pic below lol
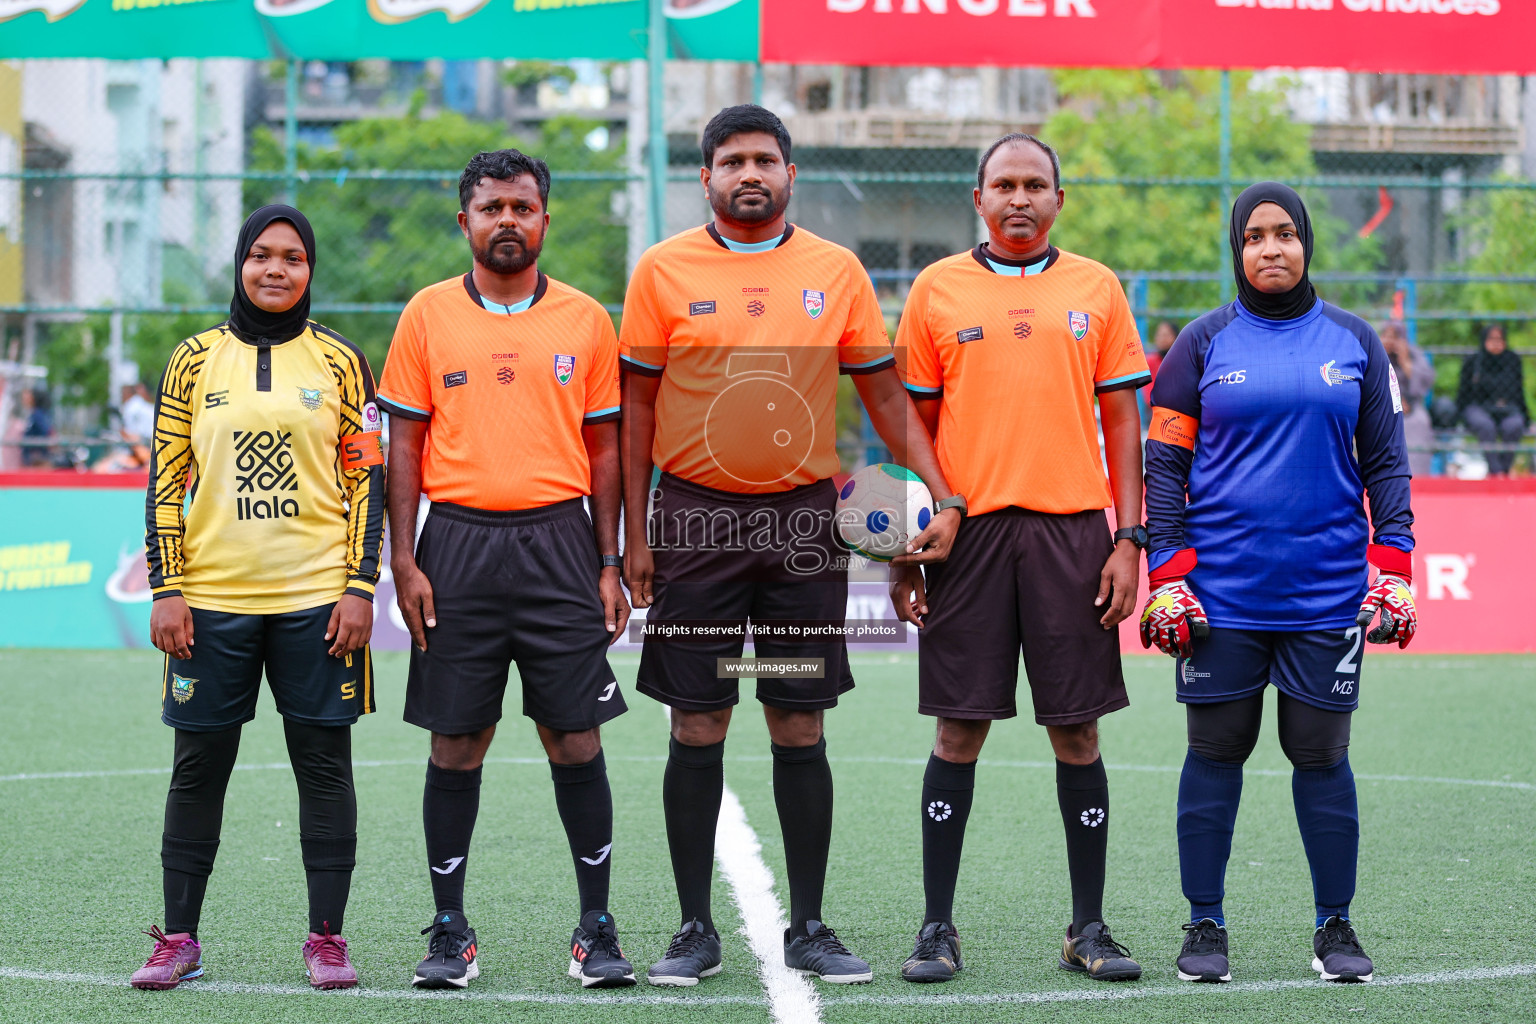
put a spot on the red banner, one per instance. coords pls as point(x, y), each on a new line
point(1418, 36)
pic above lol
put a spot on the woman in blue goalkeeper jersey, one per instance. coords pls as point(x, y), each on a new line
point(264, 521)
point(1273, 417)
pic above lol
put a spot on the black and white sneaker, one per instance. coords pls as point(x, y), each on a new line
point(821, 953)
point(937, 956)
point(693, 954)
point(1204, 956)
point(596, 958)
point(452, 957)
point(1337, 955)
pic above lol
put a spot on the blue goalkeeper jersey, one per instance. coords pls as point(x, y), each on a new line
point(1266, 436)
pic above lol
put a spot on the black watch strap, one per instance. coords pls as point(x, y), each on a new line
point(1135, 534)
point(954, 501)
point(613, 562)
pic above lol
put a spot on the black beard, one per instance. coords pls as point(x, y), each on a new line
point(525, 257)
point(730, 206)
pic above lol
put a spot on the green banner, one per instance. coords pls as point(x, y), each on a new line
point(72, 570)
point(359, 29)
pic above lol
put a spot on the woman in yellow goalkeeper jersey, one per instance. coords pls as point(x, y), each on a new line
point(265, 519)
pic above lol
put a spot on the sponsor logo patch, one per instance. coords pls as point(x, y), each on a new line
point(1397, 394)
point(214, 399)
point(371, 419)
point(968, 334)
point(455, 379)
point(1078, 324)
point(1021, 330)
point(756, 308)
point(565, 367)
point(1332, 376)
point(505, 375)
point(815, 302)
point(701, 308)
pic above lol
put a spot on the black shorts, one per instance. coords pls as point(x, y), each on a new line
point(1014, 580)
point(216, 688)
point(1320, 667)
point(508, 587)
point(731, 558)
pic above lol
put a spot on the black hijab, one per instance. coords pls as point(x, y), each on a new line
point(1284, 305)
point(251, 323)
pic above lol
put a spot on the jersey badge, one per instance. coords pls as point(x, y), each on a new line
point(371, 419)
point(1332, 376)
point(311, 398)
point(1021, 329)
point(181, 688)
point(505, 375)
point(967, 335)
point(1078, 322)
point(1397, 392)
point(815, 302)
point(701, 308)
point(565, 367)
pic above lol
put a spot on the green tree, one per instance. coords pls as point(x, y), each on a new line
point(1133, 124)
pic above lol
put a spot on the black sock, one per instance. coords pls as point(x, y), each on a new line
point(194, 814)
point(448, 810)
point(1083, 792)
point(802, 791)
point(690, 797)
point(947, 791)
point(321, 756)
point(586, 810)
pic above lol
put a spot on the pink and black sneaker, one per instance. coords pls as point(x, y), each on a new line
point(326, 961)
point(177, 958)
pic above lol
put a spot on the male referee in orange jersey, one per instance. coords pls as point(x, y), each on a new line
point(1007, 347)
point(504, 395)
point(733, 337)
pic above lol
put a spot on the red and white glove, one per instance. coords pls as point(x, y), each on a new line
point(1173, 616)
point(1390, 595)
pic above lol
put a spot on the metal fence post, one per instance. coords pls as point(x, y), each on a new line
point(656, 60)
point(1225, 157)
point(291, 133)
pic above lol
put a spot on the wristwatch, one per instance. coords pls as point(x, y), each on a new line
point(954, 501)
point(1135, 534)
point(613, 562)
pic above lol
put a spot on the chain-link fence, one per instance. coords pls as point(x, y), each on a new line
point(123, 184)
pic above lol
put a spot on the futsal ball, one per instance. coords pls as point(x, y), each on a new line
point(880, 509)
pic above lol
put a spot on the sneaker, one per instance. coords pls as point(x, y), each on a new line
point(326, 961)
point(693, 954)
point(1337, 953)
point(1097, 955)
point(595, 954)
point(177, 958)
point(451, 959)
point(1204, 956)
point(937, 956)
point(821, 953)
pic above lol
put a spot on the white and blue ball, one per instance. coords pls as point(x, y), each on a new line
point(880, 509)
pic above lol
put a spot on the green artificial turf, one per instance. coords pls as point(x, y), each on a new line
point(1446, 882)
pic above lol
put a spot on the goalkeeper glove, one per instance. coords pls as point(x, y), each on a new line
point(1390, 595)
point(1173, 615)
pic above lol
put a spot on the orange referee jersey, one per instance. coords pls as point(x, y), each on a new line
point(748, 346)
point(504, 395)
point(1017, 359)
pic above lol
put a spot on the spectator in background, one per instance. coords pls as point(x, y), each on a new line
point(138, 413)
point(1163, 337)
point(1415, 378)
point(1491, 397)
point(35, 406)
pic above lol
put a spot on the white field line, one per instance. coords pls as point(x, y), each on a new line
point(1130, 990)
point(237, 988)
point(912, 761)
point(1099, 993)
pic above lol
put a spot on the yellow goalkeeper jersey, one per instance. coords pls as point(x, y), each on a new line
point(278, 447)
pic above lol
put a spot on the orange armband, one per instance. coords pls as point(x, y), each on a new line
point(365, 449)
point(1172, 427)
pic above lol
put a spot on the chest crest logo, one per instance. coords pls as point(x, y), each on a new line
point(565, 368)
point(1332, 376)
point(1078, 324)
point(311, 398)
point(815, 302)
